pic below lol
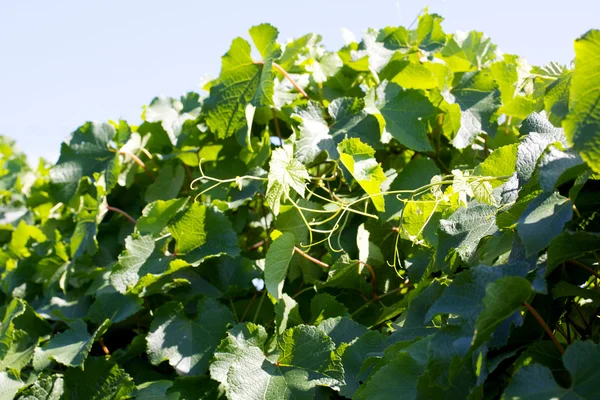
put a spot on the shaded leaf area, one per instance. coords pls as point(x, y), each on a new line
point(413, 215)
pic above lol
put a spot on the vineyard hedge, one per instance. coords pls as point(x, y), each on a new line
point(414, 216)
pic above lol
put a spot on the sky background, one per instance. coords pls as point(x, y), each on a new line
point(66, 62)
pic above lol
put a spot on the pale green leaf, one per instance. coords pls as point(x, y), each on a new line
point(277, 262)
point(187, 343)
point(306, 359)
point(359, 159)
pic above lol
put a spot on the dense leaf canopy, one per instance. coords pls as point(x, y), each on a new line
point(414, 216)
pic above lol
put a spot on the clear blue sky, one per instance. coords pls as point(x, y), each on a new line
point(66, 62)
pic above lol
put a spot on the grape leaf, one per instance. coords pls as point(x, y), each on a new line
point(359, 159)
point(479, 99)
point(167, 184)
point(9, 385)
point(87, 152)
point(242, 82)
point(463, 230)
point(196, 338)
point(535, 381)
point(44, 388)
point(100, 379)
point(277, 262)
point(203, 232)
point(172, 113)
point(583, 121)
point(405, 113)
point(546, 213)
point(285, 172)
point(306, 359)
point(70, 347)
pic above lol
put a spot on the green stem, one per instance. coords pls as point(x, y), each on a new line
point(262, 298)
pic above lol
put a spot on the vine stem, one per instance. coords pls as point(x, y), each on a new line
point(138, 162)
point(248, 307)
point(311, 258)
point(359, 310)
point(103, 346)
point(256, 245)
point(306, 289)
point(123, 213)
point(287, 76)
point(545, 326)
point(260, 303)
point(276, 123)
point(583, 266)
point(373, 280)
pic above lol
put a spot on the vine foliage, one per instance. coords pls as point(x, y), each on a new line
point(412, 216)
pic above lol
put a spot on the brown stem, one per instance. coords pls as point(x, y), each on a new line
point(256, 245)
point(545, 326)
point(583, 266)
point(287, 76)
point(123, 213)
point(138, 162)
point(104, 348)
point(373, 280)
point(276, 122)
point(310, 258)
point(149, 155)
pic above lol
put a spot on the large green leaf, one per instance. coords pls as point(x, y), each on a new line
point(100, 379)
point(399, 376)
point(140, 258)
point(359, 159)
point(9, 385)
point(172, 113)
point(242, 82)
point(502, 298)
point(479, 99)
point(306, 359)
point(157, 215)
point(277, 262)
point(70, 347)
point(569, 245)
point(536, 381)
point(405, 113)
point(187, 343)
point(167, 184)
point(88, 151)
point(44, 388)
point(464, 229)
point(556, 167)
point(202, 232)
point(582, 125)
point(547, 213)
point(317, 135)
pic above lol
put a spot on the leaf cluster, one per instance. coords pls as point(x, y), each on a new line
point(412, 216)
